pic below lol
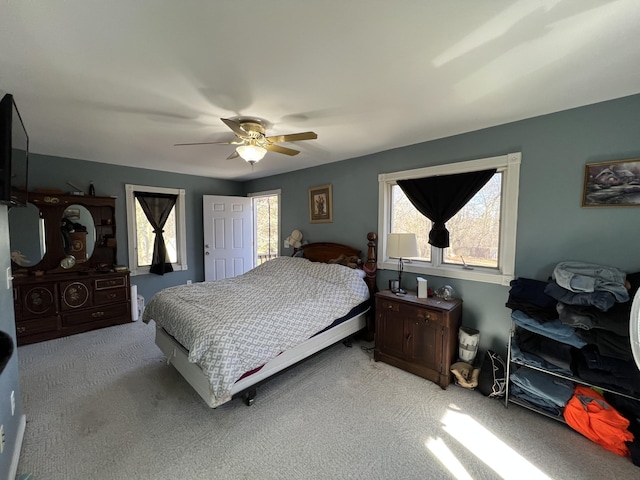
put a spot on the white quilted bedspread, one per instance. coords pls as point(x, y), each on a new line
point(234, 325)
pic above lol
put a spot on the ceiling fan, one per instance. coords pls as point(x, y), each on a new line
point(252, 142)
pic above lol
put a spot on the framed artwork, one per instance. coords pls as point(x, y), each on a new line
point(320, 204)
point(612, 184)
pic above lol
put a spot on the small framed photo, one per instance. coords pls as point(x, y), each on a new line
point(612, 184)
point(320, 204)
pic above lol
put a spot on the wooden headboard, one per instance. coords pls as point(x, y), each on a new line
point(325, 251)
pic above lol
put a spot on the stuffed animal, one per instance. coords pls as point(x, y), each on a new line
point(351, 261)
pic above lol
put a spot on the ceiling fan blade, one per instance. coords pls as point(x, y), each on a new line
point(233, 155)
point(207, 143)
point(236, 127)
point(279, 149)
point(293, 137)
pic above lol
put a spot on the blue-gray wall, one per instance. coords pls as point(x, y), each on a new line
point(552, 226)
point(9, 380)
point(110, 180)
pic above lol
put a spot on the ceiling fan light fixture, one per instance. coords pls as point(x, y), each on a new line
point(251, 153)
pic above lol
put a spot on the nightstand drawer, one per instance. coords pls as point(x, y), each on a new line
point(387, 305)
point(421, 314)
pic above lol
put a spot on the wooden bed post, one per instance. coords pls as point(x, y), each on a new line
point(371, 265)
point(370, 268)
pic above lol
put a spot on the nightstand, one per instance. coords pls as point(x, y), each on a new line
point(419, 335)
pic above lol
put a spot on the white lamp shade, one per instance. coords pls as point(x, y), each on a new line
point(251, 153)
point(402, 245)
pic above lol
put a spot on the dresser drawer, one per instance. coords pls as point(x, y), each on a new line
point(95, 315)
point(110, 295)
point(106, 283)
point(38, 325)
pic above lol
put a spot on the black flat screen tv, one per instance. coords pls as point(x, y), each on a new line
point(14, 154)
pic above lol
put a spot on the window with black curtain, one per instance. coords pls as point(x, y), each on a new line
point(157, 208)
point(440, 197)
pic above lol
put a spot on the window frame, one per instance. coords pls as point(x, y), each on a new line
point(267, 193)
point(509, 166)
point(132, 237)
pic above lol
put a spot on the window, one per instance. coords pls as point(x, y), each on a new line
point(482, 233)
point(141, 236)
point(266, 225)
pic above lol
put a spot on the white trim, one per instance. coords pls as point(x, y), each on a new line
point(132, 240)
point(509, 166)
point(17, 448)
point(267, 193)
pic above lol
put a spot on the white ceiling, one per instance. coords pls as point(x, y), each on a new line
point(121, 81)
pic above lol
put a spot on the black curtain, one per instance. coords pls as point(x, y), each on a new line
point(157, 207)
point(439, 198)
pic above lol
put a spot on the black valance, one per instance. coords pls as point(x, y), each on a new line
point(439, 198)
point(157, 208)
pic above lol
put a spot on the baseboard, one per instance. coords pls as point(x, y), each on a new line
point(13, 468)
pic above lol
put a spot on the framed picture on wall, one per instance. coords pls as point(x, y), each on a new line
point(612, 184)
point(320, 204)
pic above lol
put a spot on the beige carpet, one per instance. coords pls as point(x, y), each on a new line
point(105, 405)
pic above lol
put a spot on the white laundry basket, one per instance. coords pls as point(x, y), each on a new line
point(468, 339)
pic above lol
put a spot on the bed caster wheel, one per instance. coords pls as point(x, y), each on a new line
point(250, 397)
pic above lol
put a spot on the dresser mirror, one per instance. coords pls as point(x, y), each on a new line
point(78, 232)
point(55, 227)
point(28, 238)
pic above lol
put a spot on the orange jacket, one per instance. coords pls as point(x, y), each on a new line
point(590, 414)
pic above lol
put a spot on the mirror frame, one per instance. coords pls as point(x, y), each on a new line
point(41, 234)
point(52, 206)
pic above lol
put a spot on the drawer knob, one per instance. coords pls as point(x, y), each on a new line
point(97, 314)
point(21, 329)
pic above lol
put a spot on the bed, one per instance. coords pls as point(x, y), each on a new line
point(282, 315)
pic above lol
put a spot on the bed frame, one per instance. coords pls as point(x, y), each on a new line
point(245, 388)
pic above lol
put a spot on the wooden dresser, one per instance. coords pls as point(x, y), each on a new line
point(419, 335)
point(63, 251)
point(55, 306)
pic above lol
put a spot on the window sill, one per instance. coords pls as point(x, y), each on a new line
point(451, 271)
point(145, 270)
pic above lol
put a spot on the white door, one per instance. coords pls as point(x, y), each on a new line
point(228, 236)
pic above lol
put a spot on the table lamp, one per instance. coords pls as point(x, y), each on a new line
point(401, 245)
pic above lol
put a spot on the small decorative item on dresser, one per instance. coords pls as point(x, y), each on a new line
point(110, 240)
point(422, 287)
point(92, 189)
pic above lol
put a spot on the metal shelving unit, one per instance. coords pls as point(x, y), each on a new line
point(571, 378)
